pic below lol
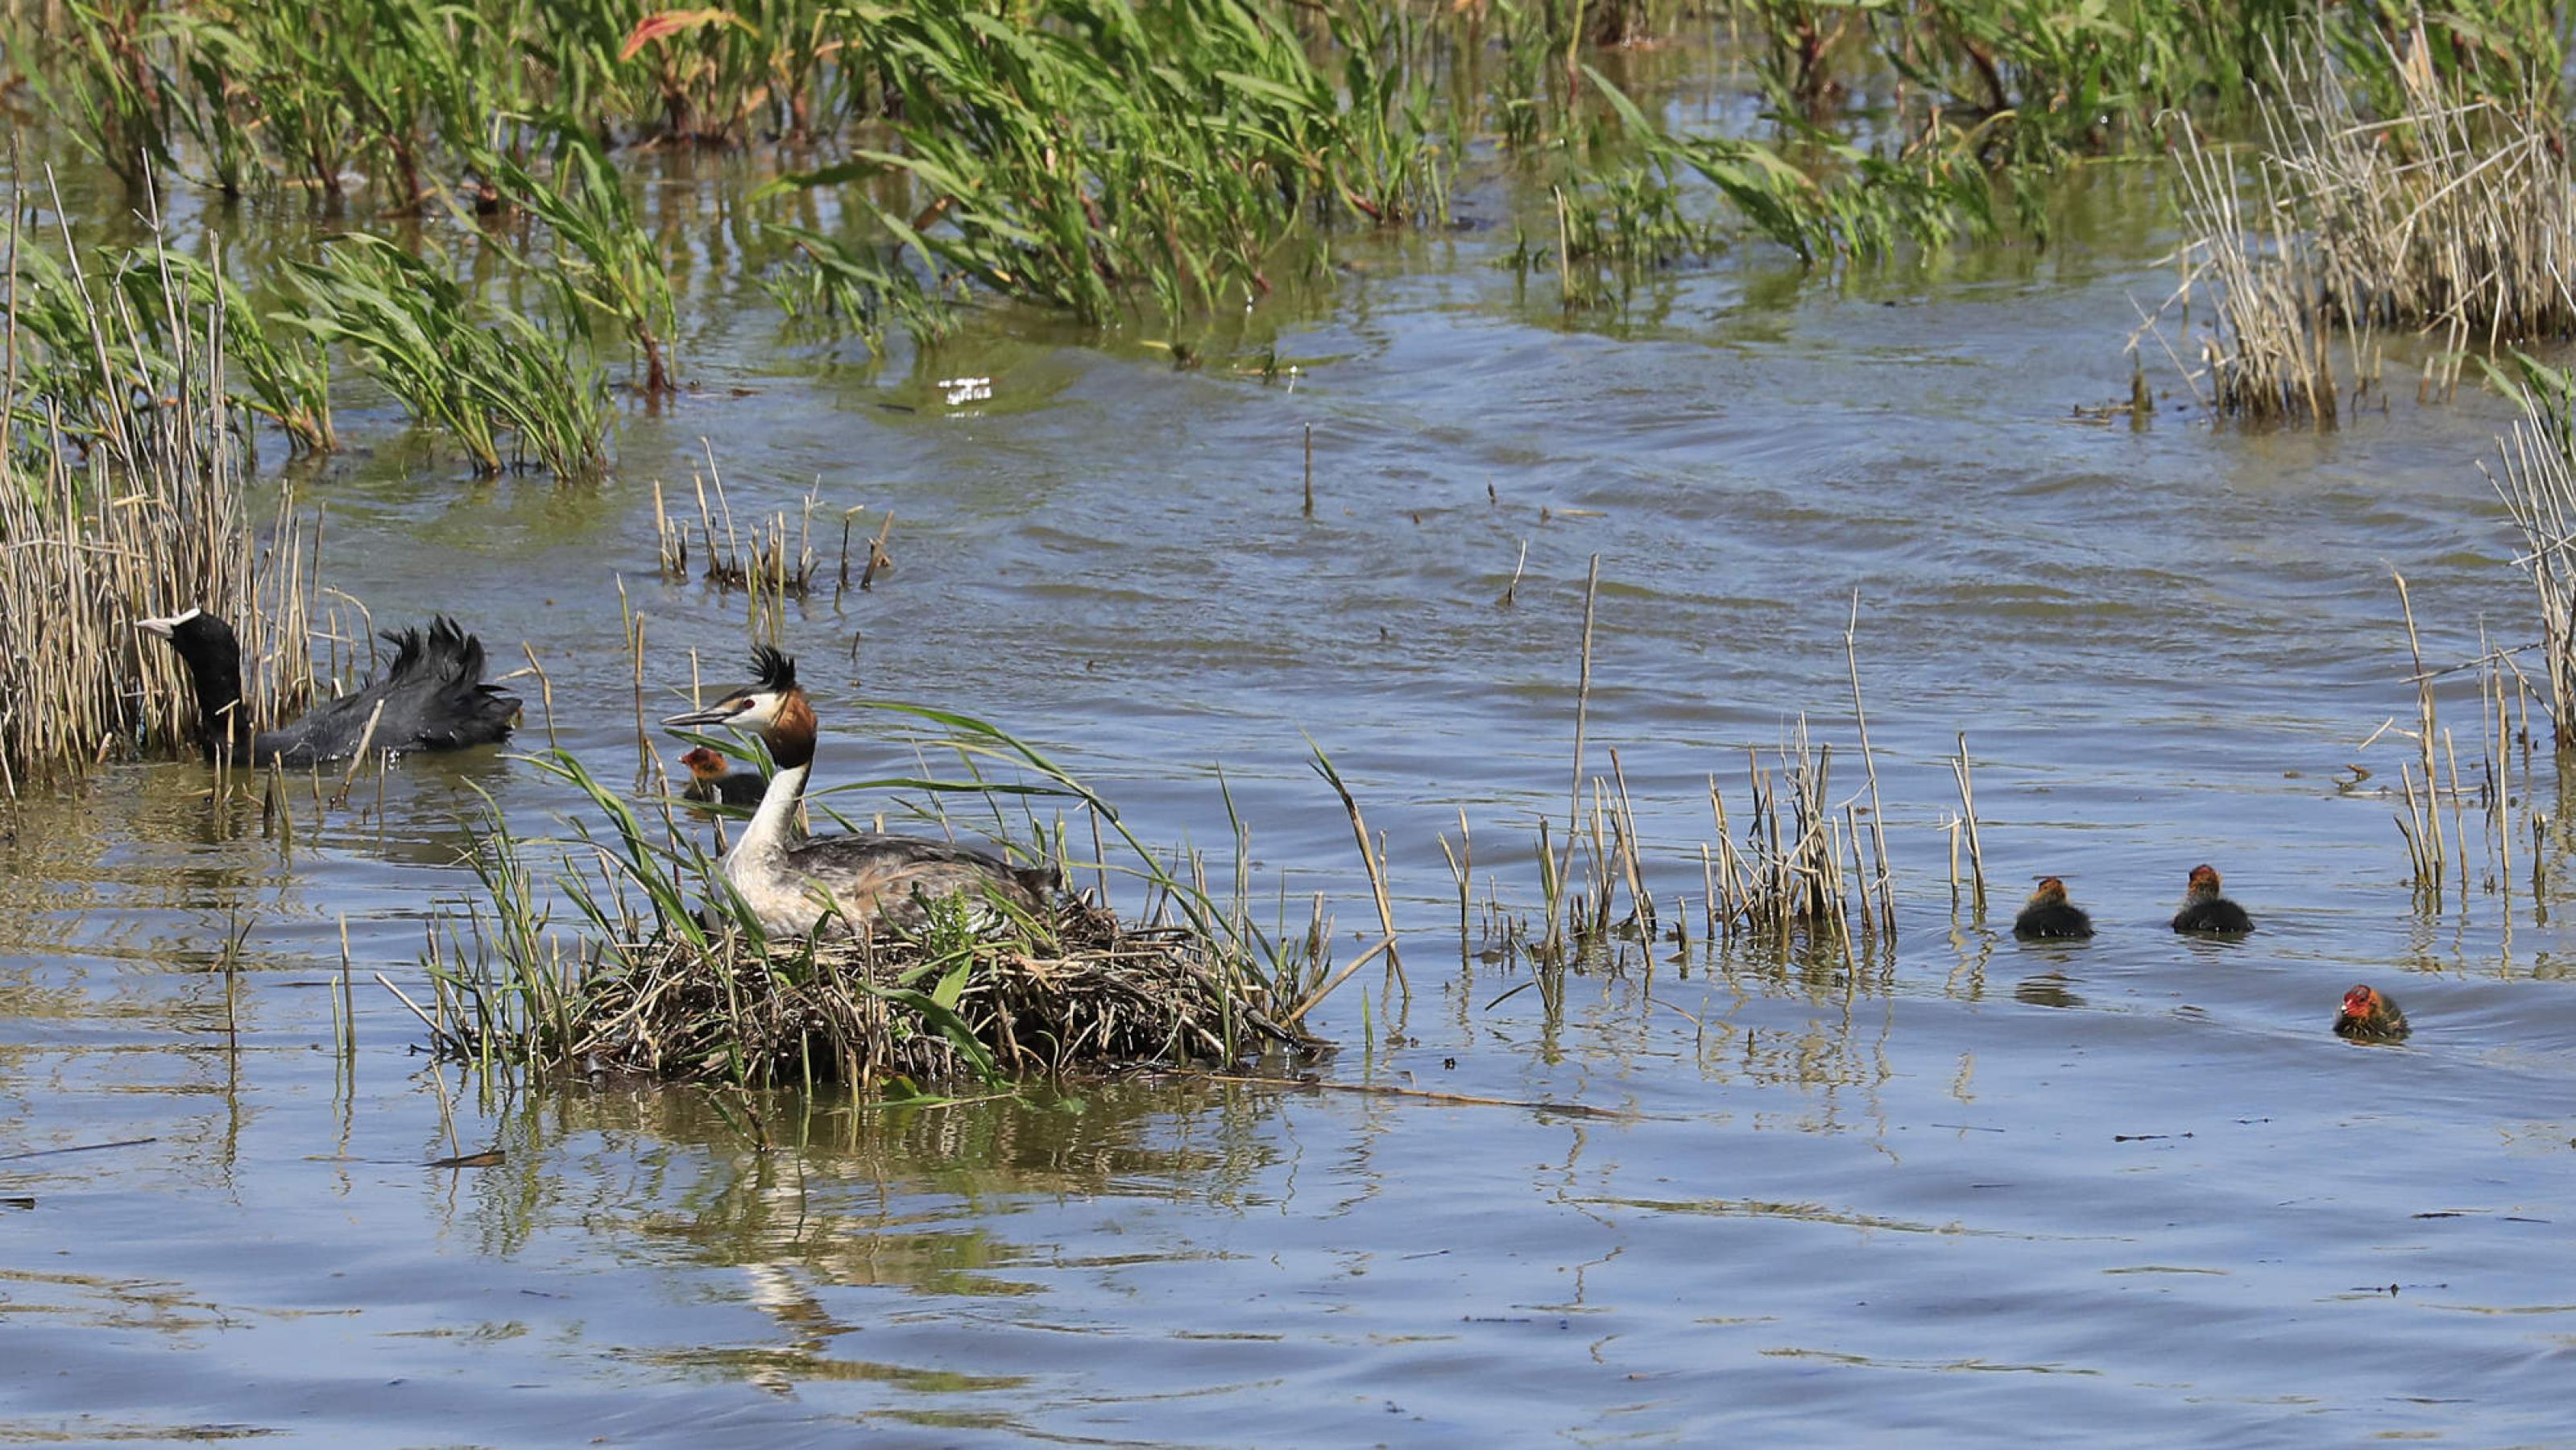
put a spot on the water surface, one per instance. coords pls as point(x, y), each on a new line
point(2130, 1189)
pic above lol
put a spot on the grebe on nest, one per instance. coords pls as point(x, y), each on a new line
point(433, 697)
point(790, 879)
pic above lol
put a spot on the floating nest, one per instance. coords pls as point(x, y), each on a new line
point(1079, 991)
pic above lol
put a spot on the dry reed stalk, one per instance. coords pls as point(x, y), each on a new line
point(358, 757)
point(1869, 766)
point(1582, 708)
point(724, 505)
point(1708, 887)
point(2426, 858)
point(1860, 868)
point(1959, 768)
point(545, 691)
point(631, 623)
point(670, 540)
point(1316, 998)
point(348, 996)
point(2429, 824)
point(1731, 887)
point(1625, 825)
point(2459, 828)
point(879, 560)
point(1310, 470)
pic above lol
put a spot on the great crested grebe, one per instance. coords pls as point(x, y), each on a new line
point(2204, 910)
point(432, 696)
point(790, 879)
point(2367, 1015)
point(2049, 915)
point(709, 780)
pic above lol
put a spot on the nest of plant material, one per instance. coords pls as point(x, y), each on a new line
point(1074, 991)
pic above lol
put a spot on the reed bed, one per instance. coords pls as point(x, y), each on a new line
point(1797, 864)
point(1106, 158)
point(148, 515)
point(772, 559)
point(2428, 207)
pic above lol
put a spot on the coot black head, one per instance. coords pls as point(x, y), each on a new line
point(195, 634)
point(212, 653)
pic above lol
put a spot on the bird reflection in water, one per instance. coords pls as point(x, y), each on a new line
point(2047, 989)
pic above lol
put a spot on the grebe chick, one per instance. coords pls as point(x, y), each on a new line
point(2367, 1015)
point(2048, 915)
point(2204, 910)
point(709, 780)
point(433, 697)
point(789, 879)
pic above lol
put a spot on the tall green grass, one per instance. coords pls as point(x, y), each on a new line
point(1114, 158)
point(99, 332)
point(827, 284)
point(603, 262)
point(1094, 156)
point(484, 377)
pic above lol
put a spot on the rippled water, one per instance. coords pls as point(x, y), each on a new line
point(2130, 1189)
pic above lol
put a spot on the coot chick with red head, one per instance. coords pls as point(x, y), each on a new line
point(431, 698)
point(2367, 1015)
point(2205, 910)
point(709, 780)
point(2049, 916)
